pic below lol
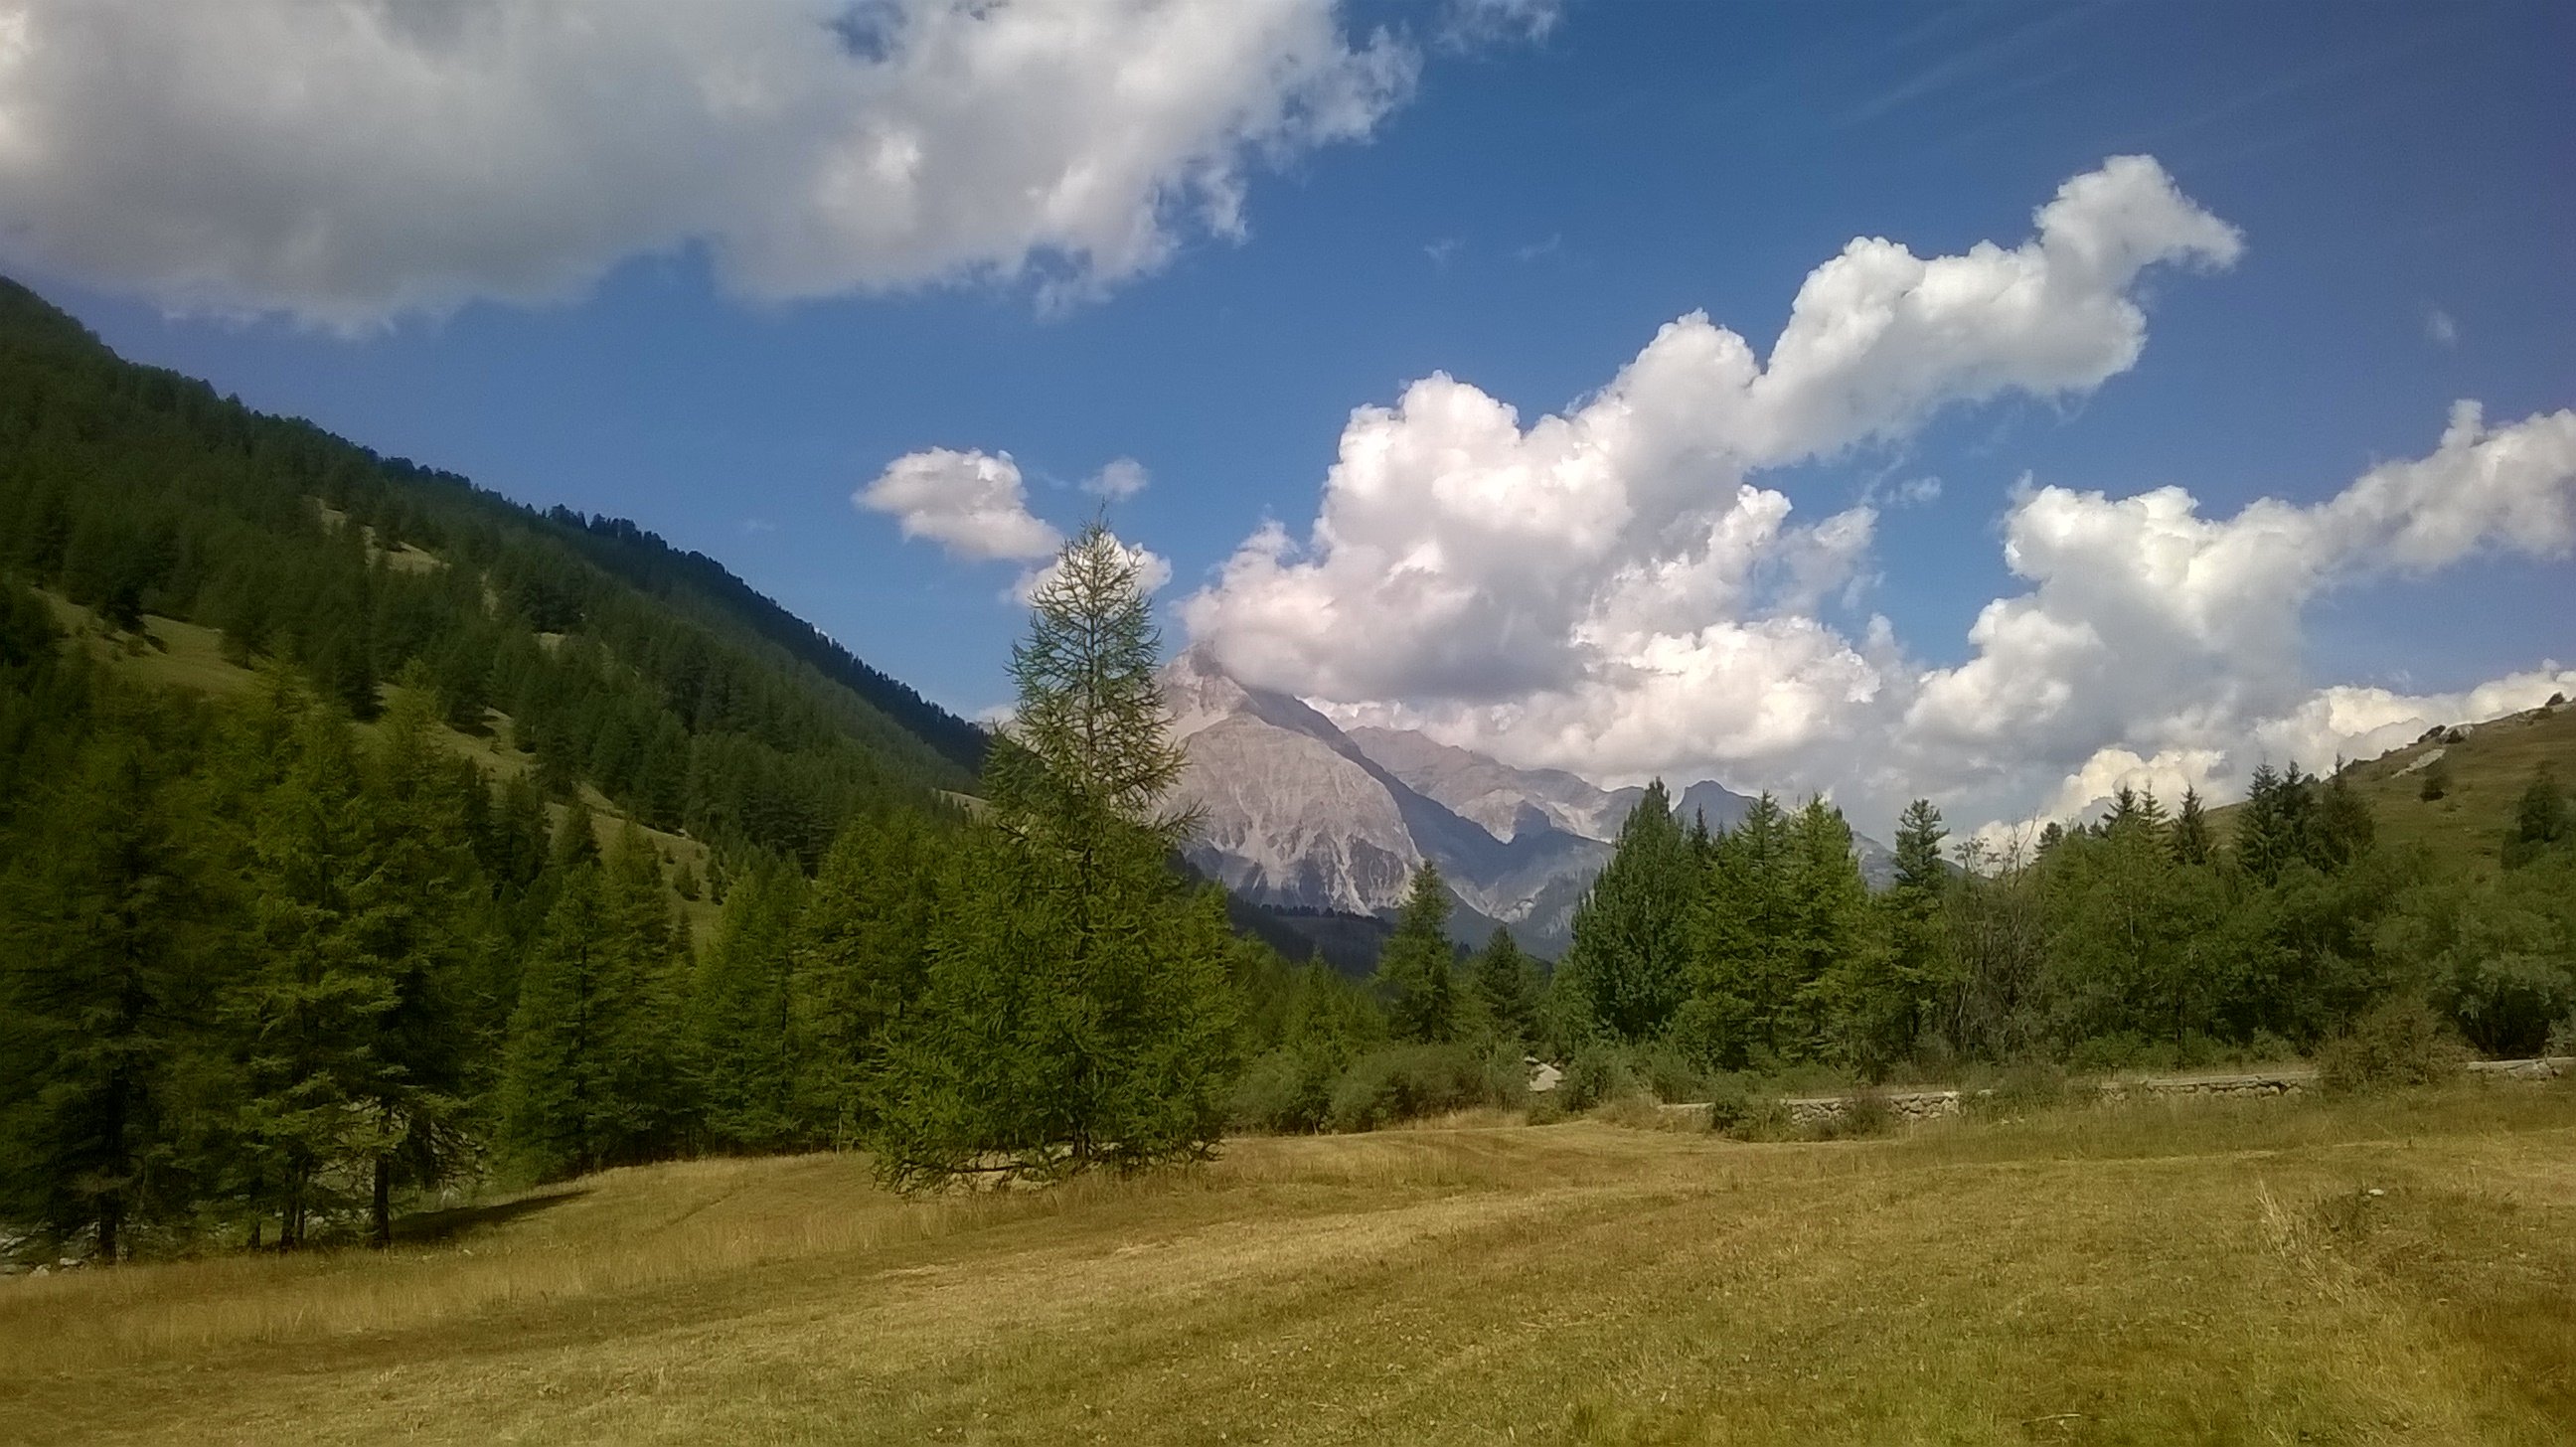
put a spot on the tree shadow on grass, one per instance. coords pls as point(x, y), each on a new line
point(432, 1226)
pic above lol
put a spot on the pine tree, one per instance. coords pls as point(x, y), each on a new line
point(1844, 986)
point(2543, 819)
point(1508, 983)
point(425, 884)
point(315, 1008)
point(861, 959)
point(1629, 957)
point(2339, 828)
point(1745, 970)
point(1917, 938)
point(1416, 970)
point(560, 1109)
point(745, 1016)
point(2191, 841)
point(1077, 1010)
point(116, 937)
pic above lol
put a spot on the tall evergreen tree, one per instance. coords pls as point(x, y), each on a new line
point(2191, 840)
point(313, 1012)
point(1415, 971)
point(1917, 943)
point(861, 959)
point(116, 935)
point(2543, 819)
point(426, 883)
point(1507, 982)
point(1630, 953)
point(561, 1109)
point(1078, 1011)
point(746, 1055)
point(1746, 967)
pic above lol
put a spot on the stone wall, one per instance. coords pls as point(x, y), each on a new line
point(2287, 1080)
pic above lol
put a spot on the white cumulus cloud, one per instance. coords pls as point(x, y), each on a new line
point(1120, 479)
point(1611, 588)
point(1615, 553)
point(972, 503)
point(346, 163)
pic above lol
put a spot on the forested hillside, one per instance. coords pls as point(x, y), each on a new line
point(653, 674)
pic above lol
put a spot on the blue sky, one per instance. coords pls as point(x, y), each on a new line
point(1522, 215)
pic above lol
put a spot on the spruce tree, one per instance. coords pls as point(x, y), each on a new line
point(1508, 983)
point(1416, 971)
point(861, 959)
point(560, 1109)
point(1745, 969)
point(314, 1010)
point(2191, 841)
point(116, 930)
point(1916, 934)
point(425, 886)
point(744, 1009)
point(2542, 820)
point(1843, 981)
point(1630, 954)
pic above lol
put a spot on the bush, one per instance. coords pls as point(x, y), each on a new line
point(1746, 1107)
point(1671, 1075)
point(2399, 1043)
point(1597, 1072)
point(1286, 1091)
point(2562, 1037)
point(1404, 1082)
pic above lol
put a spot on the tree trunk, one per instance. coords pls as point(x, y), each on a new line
point(380, 1232)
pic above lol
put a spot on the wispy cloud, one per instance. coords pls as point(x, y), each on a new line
point(2439, 328)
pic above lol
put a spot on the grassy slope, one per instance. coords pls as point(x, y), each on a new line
point(2489, 770)
point(2188, 1272)
point(184, 655)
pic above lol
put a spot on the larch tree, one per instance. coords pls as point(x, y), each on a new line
point(1077, 1010)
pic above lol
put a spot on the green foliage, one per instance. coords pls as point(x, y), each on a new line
point(1077, 1009)
point(113, 950)
point(745, 1042)
point(1415, 972)
point(2544, 820)
point(1508, 985)
point(1407, 1082)
point(1629, 960)
point(2401, 1042)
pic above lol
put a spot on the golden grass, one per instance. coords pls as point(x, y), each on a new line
point(2164, 1272)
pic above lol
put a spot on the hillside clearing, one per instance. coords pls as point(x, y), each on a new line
point(2387, 1271)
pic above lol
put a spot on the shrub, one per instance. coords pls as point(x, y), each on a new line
point(2401, 1042)
point(1670, 1074)
point(1286, 1091)
point(1597, 1072)
point(1746, 1107)
point(1404, 1082)
point(2562, 1037)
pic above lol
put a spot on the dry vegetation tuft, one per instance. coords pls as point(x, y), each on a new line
point(2400, 1269)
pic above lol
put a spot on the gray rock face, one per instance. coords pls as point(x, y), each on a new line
point(1296, 813)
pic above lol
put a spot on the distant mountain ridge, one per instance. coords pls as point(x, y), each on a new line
point(1299, 814)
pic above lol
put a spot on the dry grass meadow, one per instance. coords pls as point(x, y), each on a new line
point(2401, 1270)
